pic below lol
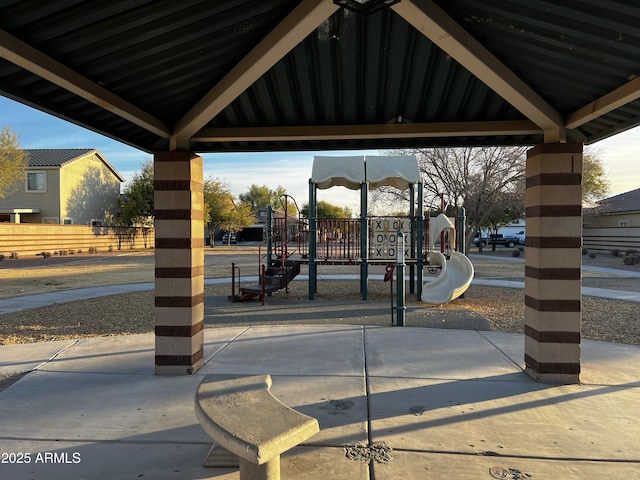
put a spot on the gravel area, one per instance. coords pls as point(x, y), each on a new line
point(337, 302)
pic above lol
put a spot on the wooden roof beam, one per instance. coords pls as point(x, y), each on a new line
point(433, 22)
point(33, 60)
point(627, 93)
point(360, 132)
point(304, 19)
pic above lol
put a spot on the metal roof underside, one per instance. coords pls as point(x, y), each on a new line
point(246, 75)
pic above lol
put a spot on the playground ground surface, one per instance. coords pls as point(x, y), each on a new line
point(484, 306)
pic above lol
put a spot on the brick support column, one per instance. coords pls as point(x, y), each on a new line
point(179, 262)
point(553, 262)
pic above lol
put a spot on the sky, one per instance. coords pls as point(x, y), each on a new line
point(290, 170)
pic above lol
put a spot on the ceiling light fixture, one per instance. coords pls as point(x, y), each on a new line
point(365, 7)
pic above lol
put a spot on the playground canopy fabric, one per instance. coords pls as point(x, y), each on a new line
point(351, 171)
point(330, 172)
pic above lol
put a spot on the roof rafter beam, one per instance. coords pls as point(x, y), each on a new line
point(362, 132)
point(433, 22)
point(627, 93)
point(33, 60)
point(303, 20)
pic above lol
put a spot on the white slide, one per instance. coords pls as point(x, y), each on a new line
point(453, 280)
point(455, 275)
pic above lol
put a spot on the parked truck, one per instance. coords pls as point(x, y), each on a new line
point(496, 239)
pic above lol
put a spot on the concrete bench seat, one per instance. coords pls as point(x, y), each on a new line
point(251, 425)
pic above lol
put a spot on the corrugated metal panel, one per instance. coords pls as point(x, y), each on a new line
point(571, 52)
point(163, 55)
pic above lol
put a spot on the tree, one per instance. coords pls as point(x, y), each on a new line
point(328, 210)
point(262, 196)
point(219, 206)
point(595, 185)
point(13, 161)
point(137, 208)
point(476, 178)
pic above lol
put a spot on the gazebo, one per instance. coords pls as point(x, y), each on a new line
point(180, 78)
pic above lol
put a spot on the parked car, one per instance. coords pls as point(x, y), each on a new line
point(229, 237)
point(521, 236)
point(497, 239)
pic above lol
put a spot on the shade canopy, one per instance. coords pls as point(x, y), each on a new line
point(255, 75)
point(377, 171)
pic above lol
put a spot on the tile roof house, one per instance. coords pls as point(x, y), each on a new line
point(621, 210)
point(64, 186)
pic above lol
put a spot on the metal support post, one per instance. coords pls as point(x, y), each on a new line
point(420, 241)
point(269, 234)
point(412, 215)
point(400, 290)
point(313, 226)
point(462, 245)
point(364, 243)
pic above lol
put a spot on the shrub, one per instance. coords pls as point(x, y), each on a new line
point(615, 252)
point(515, 253)
point(592, 255)
point(14, 255)
point(1, 257)
point(630, 260)
point(585, 251)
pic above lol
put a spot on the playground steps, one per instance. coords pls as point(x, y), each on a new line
point(276, 277)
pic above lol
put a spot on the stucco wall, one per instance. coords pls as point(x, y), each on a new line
point(48, 201)
point(88, 189)
point(632, 219)
point(30, 239)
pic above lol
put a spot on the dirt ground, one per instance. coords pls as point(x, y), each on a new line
point(482, 308)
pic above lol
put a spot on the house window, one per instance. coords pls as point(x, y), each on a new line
point(36, 182)
point(623, 223)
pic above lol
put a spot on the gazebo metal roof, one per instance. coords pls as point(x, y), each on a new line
point(258, 75)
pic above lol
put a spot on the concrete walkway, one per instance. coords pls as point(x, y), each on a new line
point(441, 403)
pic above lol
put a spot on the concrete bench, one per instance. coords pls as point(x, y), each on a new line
point(251, 426)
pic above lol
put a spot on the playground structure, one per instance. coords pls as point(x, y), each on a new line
point(429, 243)
point(456, 273)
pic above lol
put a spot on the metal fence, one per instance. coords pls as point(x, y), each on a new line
point(338, 239)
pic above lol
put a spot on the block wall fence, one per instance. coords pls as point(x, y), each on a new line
point(31, 239)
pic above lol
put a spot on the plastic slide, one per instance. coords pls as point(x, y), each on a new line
point(455, 274)
point(454, 279)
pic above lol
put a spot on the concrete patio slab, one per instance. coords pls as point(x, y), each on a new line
point(506, 415)
point(339, 403)
point(472, 467)
point(20, 358)
point(432, 353)
point(101, 407)
point(292, 350)
point(62, 460)
point(610, 364)
point(450, 403)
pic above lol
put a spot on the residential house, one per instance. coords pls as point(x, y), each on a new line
point(64, 186)
point(618, 211)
